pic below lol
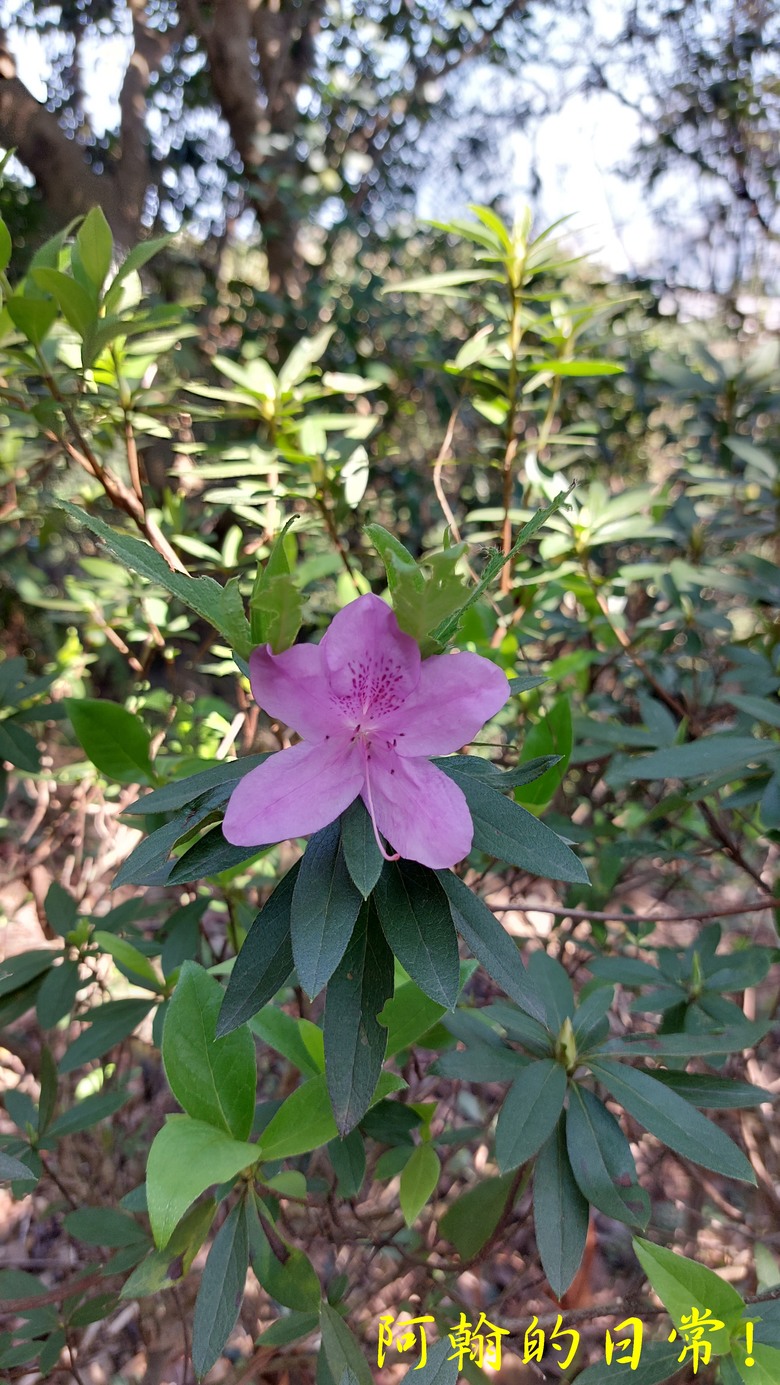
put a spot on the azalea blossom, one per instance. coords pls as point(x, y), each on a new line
point(370, 711)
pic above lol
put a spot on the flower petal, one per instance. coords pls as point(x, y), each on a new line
point(295, 792)
point(291, 688)
point(456, 695)
point(423, 814)
point(372, 666)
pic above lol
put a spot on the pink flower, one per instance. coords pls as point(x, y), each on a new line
point(370, 711)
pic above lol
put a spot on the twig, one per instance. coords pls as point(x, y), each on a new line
point(606, 916)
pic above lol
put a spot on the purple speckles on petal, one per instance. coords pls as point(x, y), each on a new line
point(377, 688)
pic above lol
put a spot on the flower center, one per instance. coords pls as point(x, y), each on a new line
point(375, 687)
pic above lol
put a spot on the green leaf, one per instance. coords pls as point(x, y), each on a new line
point(673, 1120)
point(215, 1080)
point(18, 747)
point(359, 844)
point(6, 246)
point(712, 755)
point(578, 368)
point(201, 594)
point(276, 612)
point(264, 962)
point(116, 741)
point(209, 856)
point(137, 258)
point(348, 1159)
point(303, 356)
point(415, 916)
point(443, 283)
point(291, 1328)
point(218, 783)
point(418, 1181)
point(19, 971)
point(61, 909)
point(530, 1113)
point(408, 1014)
point(88, 1112)
point(325, 905)
point(505, 830)
point(221, 1290)
point(73, 301)
point(601, 1160)
point(57, 995)
point(441, 1368)
point(187, 1157)
point(444, 632)
point(490, 944)
point(299, 1040)
point(712, 1093)
point(305, 1121)
point(683, 1285)
point(471, 1219)
point(355, 1040)
point(96, 246)
point(560, 1213)
point(555, 988)
point(765, 1364)
point(109, 1024)
point(34, 317)
point(129, 959)
point(149, 863)
point(733, 1040)
point(11, 1169)
point(340, 1349)
point(165, 1267)
point(104, 1226)
point(292, 1281)
point(658, 1363)
point(550, 736)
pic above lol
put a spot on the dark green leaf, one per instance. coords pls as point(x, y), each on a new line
point(340, 1349)
point(214, 1079)
point(439, 1369)
point(601, 1160)
point(415, 915)
point(11, 1169)
point(265, 960)
point(104, 1226)
point(355, 1041)
point(218, 783)
point(58, 993)
point(673, 1120)
point(505, 830)
point(555, 988)
point(658, 1363)
point(325, 905)
point(221, 1290)
point(109, 1024)
point(348, 1158)
point(88, 1112)
point(18, 747)
point(656, 1045)
point(359, 844)
point(61, 909)
point(490, 944)
point(530, 1112)
point(712, 1093)
point(560, 1213)
point(211, 855)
